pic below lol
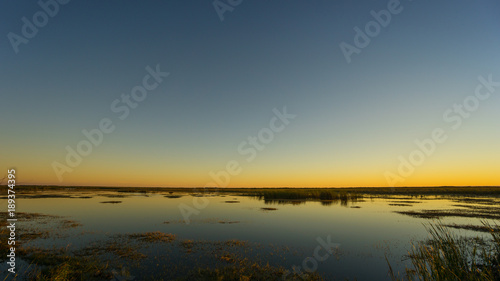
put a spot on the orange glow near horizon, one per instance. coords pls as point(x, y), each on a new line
point(453, 165)
point(190, 179)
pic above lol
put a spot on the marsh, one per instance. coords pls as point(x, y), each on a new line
point(265, 234)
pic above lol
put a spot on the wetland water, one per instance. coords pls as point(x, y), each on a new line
point(144, 236)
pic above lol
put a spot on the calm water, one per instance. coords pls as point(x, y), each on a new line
point(366, 231)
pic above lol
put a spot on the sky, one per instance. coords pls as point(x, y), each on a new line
point(250, 93)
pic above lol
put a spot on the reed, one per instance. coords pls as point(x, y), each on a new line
point(449, 257)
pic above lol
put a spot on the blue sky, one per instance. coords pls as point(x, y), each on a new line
point(227, 76)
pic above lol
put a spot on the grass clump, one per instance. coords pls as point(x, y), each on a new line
point(111, 202)
point(326, 196)
point(58, 264)
point(121, 249)
point(449, 257)
point(70, 224)
point(244, 270)
point(437, 214)
point(152, 237)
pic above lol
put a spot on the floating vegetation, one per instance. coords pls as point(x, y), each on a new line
point(70, 224)
point(481, 201)
point(110, 202)
point(187, 244)
point(152, 237)
point(231, 201)
point(114, 195)
point(401, 204)
point(118, 247)
point(404, 201)
point(285, 202)
point(173, 196)
point(235, 242)
point(435, 214)
point(59, 264)
point(481, 208)
point(479, 228)
point(45, 196)
point(268, 209)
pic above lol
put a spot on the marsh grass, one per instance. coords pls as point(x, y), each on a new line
point(400, 205)
point(480, 228)
point(58, 264)
point(49, 263)
point(41, 226)
point(404, 201)
point(120, 249)
point(449, 257)
point(457, 191)
point(70, 224)
point(173, 196)
point(111, 202)
point(232, 263)
point(327, 197)
point(244, 270)
point(465, 213)
point(152, 237)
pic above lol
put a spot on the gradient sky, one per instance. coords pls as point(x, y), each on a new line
point(353, 120)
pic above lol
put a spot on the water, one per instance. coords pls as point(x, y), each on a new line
point(366, 231)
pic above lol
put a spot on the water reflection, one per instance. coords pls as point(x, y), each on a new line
point(285, 219)
point(326, 198)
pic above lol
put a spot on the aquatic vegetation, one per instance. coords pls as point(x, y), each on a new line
point(327, 197)
point(404, 201)
point(161, 255)
point(268, 209)
point(119, 248)
point(110, 202)
point(59, 264)
point(235, 242)
point(152, 237)
point(400, 205)
point(70, 224)
point(173, 196)
point(243, 270)
point(448, 257)
point(187, 244)
point(480, 228)
point(435, 214)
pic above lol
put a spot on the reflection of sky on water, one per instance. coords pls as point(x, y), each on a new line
point(363, 233)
